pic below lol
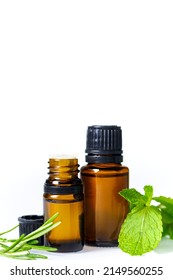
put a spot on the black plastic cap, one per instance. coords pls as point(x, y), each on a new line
point(104, 144)
point(77, 188)
point(29, 223)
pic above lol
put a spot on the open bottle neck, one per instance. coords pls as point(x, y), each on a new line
point(63, 177)
point(63, 169)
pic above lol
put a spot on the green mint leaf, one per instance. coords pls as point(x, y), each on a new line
point(167, 221)
point(166, 217)
point(167, 202)
point(168, 230)
point(165, 230)
point(166, 208)
point(148, 194)
point(133, 196)
point(136, 198)
point(141, 231)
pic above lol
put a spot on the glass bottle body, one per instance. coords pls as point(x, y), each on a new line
point(68, 236)
point(105, 210)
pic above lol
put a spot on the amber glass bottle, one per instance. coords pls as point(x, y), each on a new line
point(63, 193)
point(103, 177)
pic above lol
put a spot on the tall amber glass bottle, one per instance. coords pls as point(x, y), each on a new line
point(103, 178)
point(63, 193)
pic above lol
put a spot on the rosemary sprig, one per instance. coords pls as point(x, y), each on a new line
point(8, 230)
point(20, 248)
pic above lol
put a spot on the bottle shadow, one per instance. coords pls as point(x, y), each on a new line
point(165, 246)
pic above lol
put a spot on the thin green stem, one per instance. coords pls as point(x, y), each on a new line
point(14, 244)
point(37, 231)
point(19, 248)
point(8, 230)
point(51, 219)
point(44, 231)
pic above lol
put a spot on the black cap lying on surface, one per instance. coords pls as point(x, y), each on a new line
point(29, 223)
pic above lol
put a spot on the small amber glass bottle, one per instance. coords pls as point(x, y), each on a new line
point(63, 193)
point(103, 178)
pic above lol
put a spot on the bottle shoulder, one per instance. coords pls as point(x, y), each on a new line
point(63, 183)
point(104, 168)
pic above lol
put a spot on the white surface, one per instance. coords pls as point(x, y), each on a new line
point(100, 254)
point(65, 65)
point(98, 259)
point(89, 254)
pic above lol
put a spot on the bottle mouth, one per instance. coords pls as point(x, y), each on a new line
point(62, 157)
point(62, 162)
point(63, 168)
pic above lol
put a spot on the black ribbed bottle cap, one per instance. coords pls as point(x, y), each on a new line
point(104, 144)
point(29, 223)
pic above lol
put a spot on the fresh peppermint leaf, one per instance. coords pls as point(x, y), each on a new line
point(141, 231)
point(166, 208)
point(167, 202)
point(133, 196)
point(168, 230)
point(167, 221)
point(166, 217)
point(148, 194)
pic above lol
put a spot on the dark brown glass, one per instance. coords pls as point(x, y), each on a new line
point(105, 210)
point(68, 236)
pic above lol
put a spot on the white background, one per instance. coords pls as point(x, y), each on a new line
point(65, 65)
